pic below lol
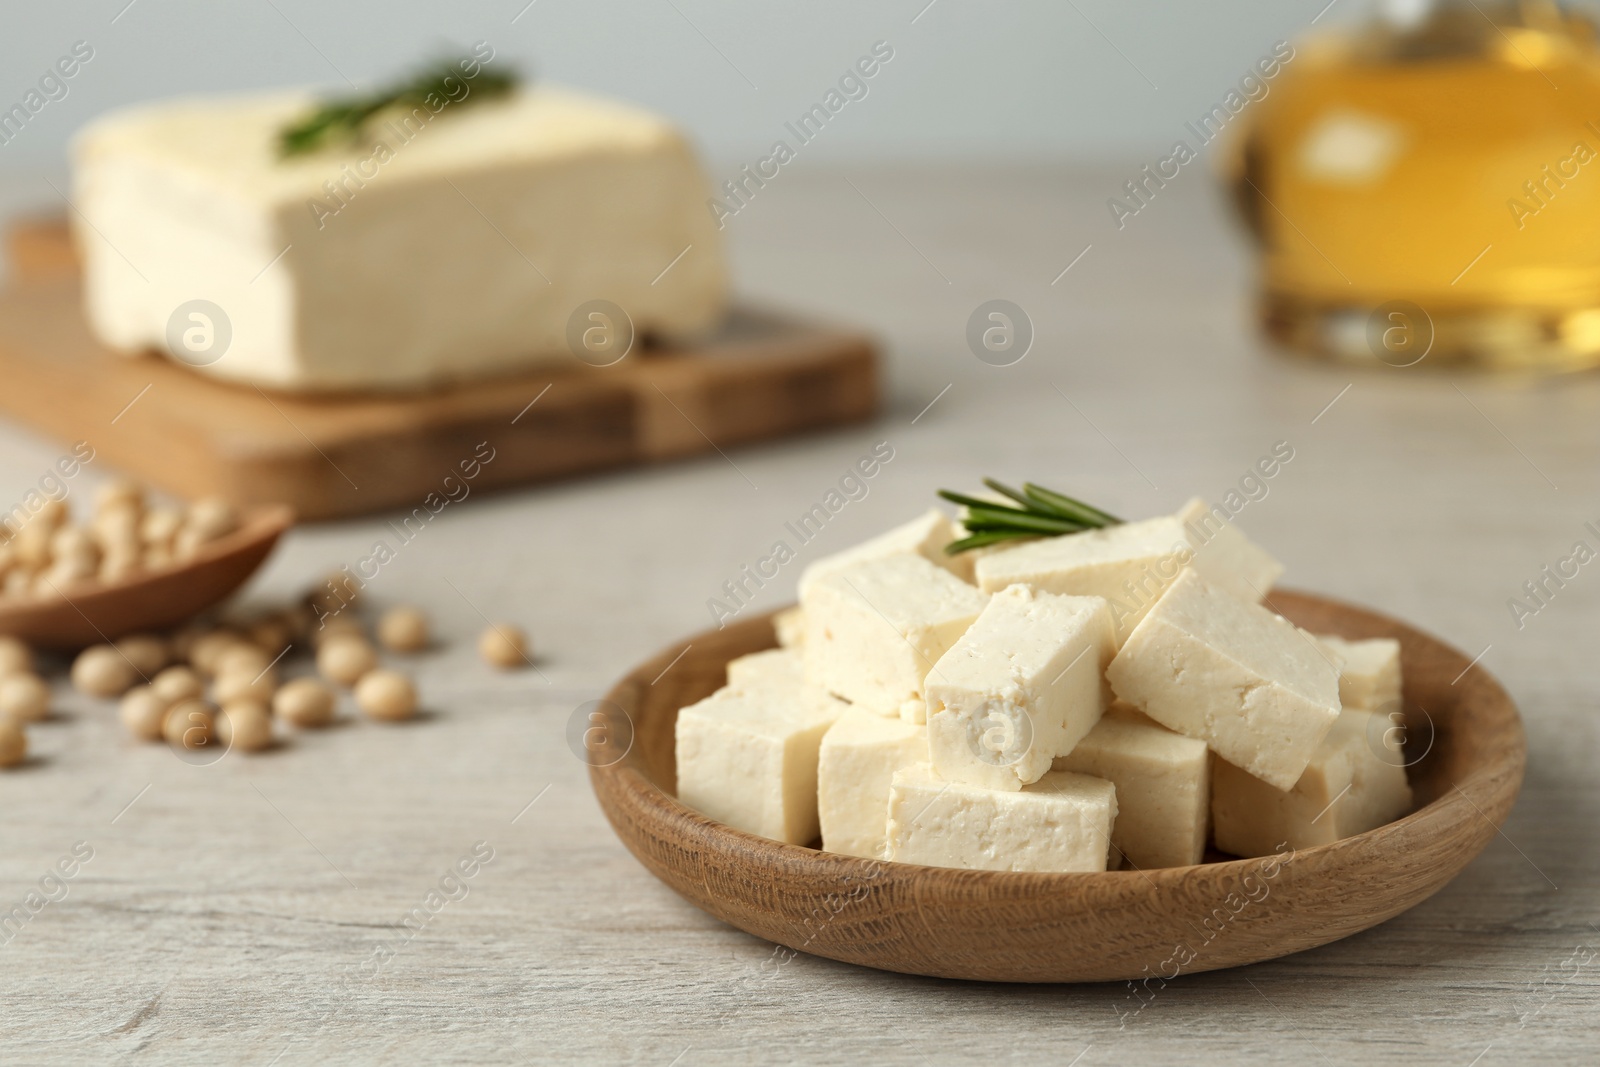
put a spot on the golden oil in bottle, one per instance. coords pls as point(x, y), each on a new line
point(1427, 187)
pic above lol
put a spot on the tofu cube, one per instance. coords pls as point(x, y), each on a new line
point(965, 563)
point(1244, 680)
point(860, 754)
point(1163, 782)
point(925, 536)
point(789, 626)
point(1369, 672)
point(1356, 782)
point(1022, 686)
point(748, 757)
point(874, 629)
point(775, 668)
point(1224, 556)
point(455, 242)
point(1060, 823)
point(1130, 565)
point(915, 712)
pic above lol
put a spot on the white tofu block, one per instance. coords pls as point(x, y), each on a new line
point(1021, 687)
point(1224, 556)
point(1369, 672)
point(925, 536)
point(453, 245)
point(860, 754)
point(1060, 823)
point(875, 629)
point(1130, 565)
point(1121, 707)
point(1242, 679)
point(915, 712)
point(774, 668)
point(1163, 782)
point(789, 625)
point(1356, 782)
point(748, 757)
point(964, 564)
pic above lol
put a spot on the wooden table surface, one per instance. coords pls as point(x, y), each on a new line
point(250, 912)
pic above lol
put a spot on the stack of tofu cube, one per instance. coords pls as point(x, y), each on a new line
point(1113, 698)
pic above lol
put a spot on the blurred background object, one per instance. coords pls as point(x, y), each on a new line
point(203, 227)
point(1420, 187)
point(1400, 158)
point(1030, 79)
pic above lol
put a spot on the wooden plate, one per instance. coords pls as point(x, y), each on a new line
point(1020, 927)
point(153, 601)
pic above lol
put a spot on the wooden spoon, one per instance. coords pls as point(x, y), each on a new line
point(154, 600)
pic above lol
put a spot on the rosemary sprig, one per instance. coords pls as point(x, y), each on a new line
point(1039, 512)
point(343, 119)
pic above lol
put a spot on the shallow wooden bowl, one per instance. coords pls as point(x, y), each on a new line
point(1018, 927)
point(97, 612)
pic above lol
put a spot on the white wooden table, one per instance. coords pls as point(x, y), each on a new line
point(233, 913)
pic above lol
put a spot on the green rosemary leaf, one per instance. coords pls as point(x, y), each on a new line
point(979, 502)
point(980, 540)
point(1039, 523)
point(974, 520)
point(979, 526)
point(1085, 513)
point(343, 119)
point(1043, 513)
point(1006, 490)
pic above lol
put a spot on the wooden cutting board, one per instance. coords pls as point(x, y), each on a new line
point(763, 376)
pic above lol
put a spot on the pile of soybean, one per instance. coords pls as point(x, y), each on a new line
point(219, 685)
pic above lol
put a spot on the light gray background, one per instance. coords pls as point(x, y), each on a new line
point(1036, 78)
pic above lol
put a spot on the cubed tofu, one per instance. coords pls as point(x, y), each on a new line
point(964, 564)
point(789, 625)
point(1224, 556)
point(1244, 680)
point(925, 536)
point(860, 754)
point(748, 757)
point(1369, 672)
point(775, 667)
point(1060, 823)
point(1121, 707)
point(1356, 782)
point(875, 629)
point(1130, 565)
point(1022, 686)
point(915, 711)
point(1163, 782)
point(449, 243)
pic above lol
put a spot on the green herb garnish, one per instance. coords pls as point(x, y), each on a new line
point(343, 120)
point(1039, 512)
